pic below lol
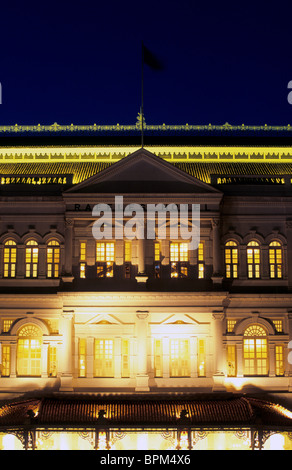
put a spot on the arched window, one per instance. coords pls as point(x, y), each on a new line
point(231, 260)
point(275, 260)
point(255, 351)
point(253, 260)
point(9, 259)
point(53, 259)
point(29, 351)
point(31, 259)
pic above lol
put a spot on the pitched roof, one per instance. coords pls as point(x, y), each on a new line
point(201, 170)
point(142, 171)
point(135, 411)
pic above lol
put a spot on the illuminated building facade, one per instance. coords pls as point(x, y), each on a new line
point(88, 327)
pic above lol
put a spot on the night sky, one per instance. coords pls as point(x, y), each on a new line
point(80, 62)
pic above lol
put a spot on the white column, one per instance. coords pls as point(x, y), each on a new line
point(89, 356)
point(290, 351)
point(66, 331)
point(20, 262)
point(42, 267)
point(13, 359)
point(69, 224)
point(218, 376)
point(45, 348)
point(165, 352)
point(217, 270)
point(142, 377)
point(141, 256)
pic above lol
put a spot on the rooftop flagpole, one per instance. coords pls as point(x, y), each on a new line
point(142, 96)
point(149, 59)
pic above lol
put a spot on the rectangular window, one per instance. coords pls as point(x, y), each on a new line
point(82, 357)
point(275, 260)
point(278, 325)
point(230, 325)
point(5, 372)
point(104, 358)
point(105, 257)
point(157, 260)
point(201, 358)
point(82, 259)
point(6, 325)
point(9, 260)
point(53, 259)
point(83, 251)
point(158, 358)
point(279, 353)
point(29, 357)
point(201, 264)
point(253, 261)
point(82, 267)
point(125, 358)
point(52, 361)
point(179, 257)
point(231, 260)
point(255, 355)
point(231, 360)
point(127, 259)
point(179, 358)
point(31, 261)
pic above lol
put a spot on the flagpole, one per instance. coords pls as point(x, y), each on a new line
point(142, 97)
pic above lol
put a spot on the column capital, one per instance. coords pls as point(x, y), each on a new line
point(69, 222)
point(218, 316)
point(142, 315)
point(67, 314)
point(215, 221)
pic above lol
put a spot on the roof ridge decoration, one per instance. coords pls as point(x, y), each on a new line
point(96, 128)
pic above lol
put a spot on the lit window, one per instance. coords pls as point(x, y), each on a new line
point(179, 257)
point(275, 260)
point(82, 357)
point(53, 259)
point(9, 259)
point(279, 356)
point(201, 358)
point(29, 351)
point(127, 259)
point(52, 361)
point(231, 260)
point(105, 257)
point(5, 371)
point(255, 351)
point(253, 260)
point(201, 264)
point(157, 260)
point(125, 358)
point(231, 360)
point(31, 259)
point(6, 325)
point(179, 358)
point(278, 325)
point(82, 259)
point(158, 358)
point(104, 358)
point(230, 325)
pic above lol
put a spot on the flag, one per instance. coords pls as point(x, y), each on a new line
point(151, 60)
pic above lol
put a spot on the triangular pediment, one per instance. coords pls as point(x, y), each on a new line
point(104, 319)
point(179, 319)
point(142, 172)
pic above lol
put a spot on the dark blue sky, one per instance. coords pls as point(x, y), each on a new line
point(80, 62)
